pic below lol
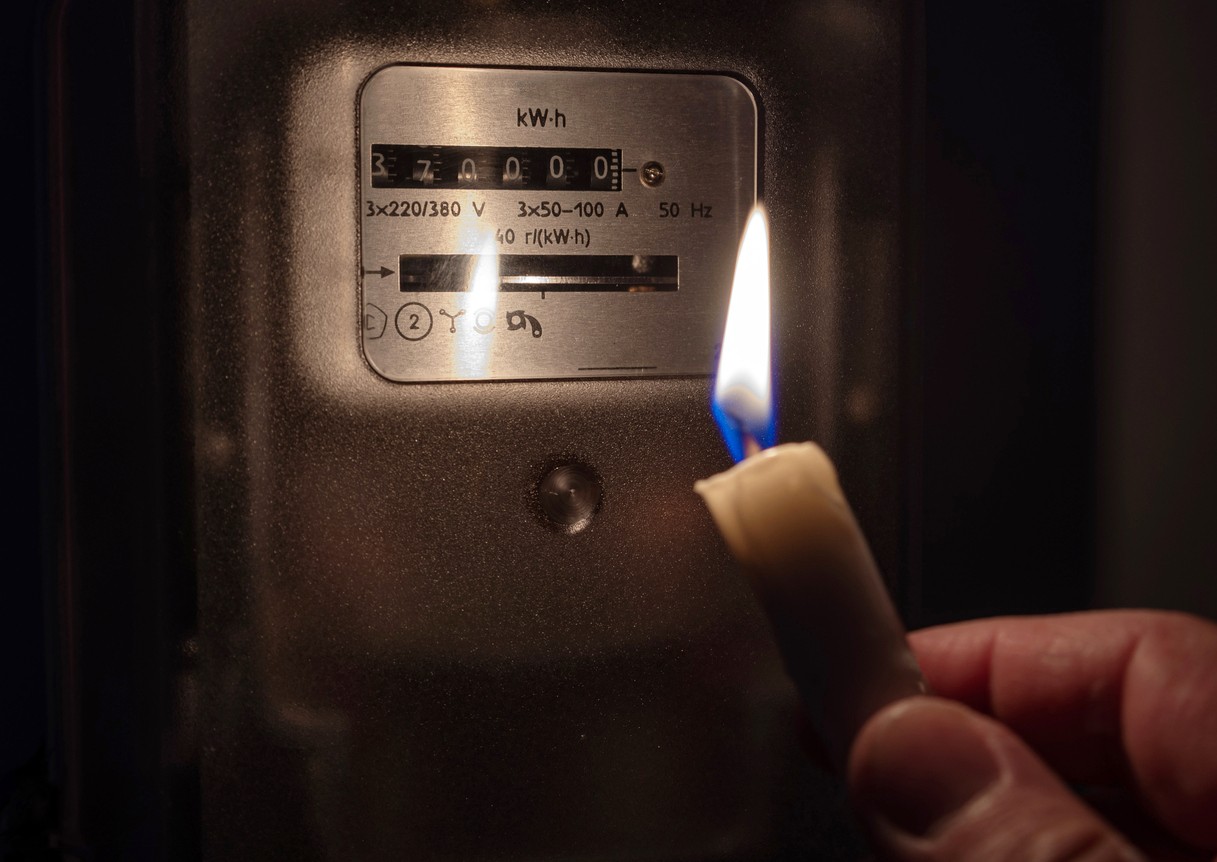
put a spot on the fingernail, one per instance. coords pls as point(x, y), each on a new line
point(920, 762)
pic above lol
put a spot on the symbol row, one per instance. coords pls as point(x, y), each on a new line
point(414, 321)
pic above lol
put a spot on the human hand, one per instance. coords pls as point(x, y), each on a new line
point(1122, 704)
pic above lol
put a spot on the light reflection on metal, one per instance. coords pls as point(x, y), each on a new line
point(743, 391)
point(477, 325)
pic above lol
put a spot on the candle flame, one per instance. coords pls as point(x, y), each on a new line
point(743, 398)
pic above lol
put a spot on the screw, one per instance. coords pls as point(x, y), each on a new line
point(652, 174)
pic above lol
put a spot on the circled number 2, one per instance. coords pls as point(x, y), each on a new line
point(414, 321)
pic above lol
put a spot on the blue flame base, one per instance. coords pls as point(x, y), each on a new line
point(734, 431)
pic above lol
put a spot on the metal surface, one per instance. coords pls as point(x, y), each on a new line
point(398, 655)
point(702, 127)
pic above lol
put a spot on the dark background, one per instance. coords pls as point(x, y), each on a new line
point(1007, 334)
point(1067, 400)
point(23, 655)
point(1061, 391)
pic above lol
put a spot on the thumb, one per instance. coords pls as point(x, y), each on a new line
point(935, 781)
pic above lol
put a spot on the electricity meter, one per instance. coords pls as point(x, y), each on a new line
point(521, 224)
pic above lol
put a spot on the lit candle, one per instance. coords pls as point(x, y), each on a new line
point(785, 519)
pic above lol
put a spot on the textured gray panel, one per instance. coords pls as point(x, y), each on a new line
point(399, 657)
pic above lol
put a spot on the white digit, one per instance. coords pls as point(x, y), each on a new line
point(511, 171)
point(378, 165)
point(469, 170)
point(425, 174)
point(556, 167)
point(600, 167)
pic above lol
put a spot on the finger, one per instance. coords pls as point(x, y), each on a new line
point(935, 781)
point(1102, 696)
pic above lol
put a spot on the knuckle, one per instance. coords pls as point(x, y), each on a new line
point(1076, 840)
point(1033, 831)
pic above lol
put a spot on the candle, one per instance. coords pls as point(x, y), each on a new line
point(785, 519)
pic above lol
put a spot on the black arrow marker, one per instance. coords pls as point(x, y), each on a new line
point(382, 272)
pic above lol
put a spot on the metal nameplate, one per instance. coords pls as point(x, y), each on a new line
point(531, 224)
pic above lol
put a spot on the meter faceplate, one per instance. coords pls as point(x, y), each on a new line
point(508, 231)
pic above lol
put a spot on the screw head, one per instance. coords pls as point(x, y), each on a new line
point(570, 494)
point(652, 174)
